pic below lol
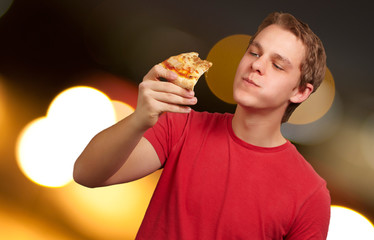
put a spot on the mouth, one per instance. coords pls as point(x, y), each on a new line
point(250, 81)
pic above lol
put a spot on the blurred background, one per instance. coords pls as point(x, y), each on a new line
point(69, 69)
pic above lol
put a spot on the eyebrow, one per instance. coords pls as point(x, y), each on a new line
point(282, 59)
point(276, 56)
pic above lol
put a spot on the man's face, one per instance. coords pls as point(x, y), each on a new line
point(268, 75)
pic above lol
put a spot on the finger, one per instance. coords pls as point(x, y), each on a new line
point(167, 107)
point(165, 87)
point(159, 72)
point(173, 98)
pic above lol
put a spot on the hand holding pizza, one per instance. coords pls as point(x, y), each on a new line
point(175, 94)
point(156, 96)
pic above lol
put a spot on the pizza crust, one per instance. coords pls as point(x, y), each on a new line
point(189, 68)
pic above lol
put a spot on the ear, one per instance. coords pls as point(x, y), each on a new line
point(300, 94)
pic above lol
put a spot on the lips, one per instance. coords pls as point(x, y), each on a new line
point(251, 82)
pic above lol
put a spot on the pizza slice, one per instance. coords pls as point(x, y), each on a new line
point(189, 68)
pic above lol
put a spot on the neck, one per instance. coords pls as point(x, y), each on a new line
point(257, 127)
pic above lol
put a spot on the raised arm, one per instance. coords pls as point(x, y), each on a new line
point(120, 153)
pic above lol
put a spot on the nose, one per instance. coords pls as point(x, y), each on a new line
point(259, 66)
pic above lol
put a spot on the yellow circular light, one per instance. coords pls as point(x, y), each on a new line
point(347, 224)
point(48, 147)
point(225, 56)
point(317, 105)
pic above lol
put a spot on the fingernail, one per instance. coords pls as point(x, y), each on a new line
point(194, 100)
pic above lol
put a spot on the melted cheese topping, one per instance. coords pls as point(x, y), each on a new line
point(187, 65)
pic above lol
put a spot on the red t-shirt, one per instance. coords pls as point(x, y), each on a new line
point(216, 186)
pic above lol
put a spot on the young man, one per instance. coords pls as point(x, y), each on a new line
point(225, 176)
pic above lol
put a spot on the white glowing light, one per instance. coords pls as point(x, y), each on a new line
point(48, 147)
point(346, 224)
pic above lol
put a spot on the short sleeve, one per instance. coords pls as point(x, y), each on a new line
point(312, 221)
point(166, 133)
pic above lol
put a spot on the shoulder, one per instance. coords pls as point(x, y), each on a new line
point(313, 200)
point(301, 173)
point(301, 163)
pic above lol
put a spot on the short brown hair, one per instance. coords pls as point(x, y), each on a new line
point(313, 67)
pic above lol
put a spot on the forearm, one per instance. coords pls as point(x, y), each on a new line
point(107, 152)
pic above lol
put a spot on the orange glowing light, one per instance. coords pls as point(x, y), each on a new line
point(18, 224)
point(2, 105)
point(113, 212)
point(122, 109)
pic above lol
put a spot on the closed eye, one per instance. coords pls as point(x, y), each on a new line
point(277, 66)
point(254, 54)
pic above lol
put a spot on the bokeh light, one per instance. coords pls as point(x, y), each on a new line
point(225, 55)
point(4, 6)
point(48, 146)
point(2, 105)
point(317, 104)
point(79, 107)
point(19, 225)
point(121, 109)
point(34, 157)
point(366, 137)
point(113, 212)
point(347, 224)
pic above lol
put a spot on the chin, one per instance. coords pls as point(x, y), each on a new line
point(244, 100)
point(237, 98)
